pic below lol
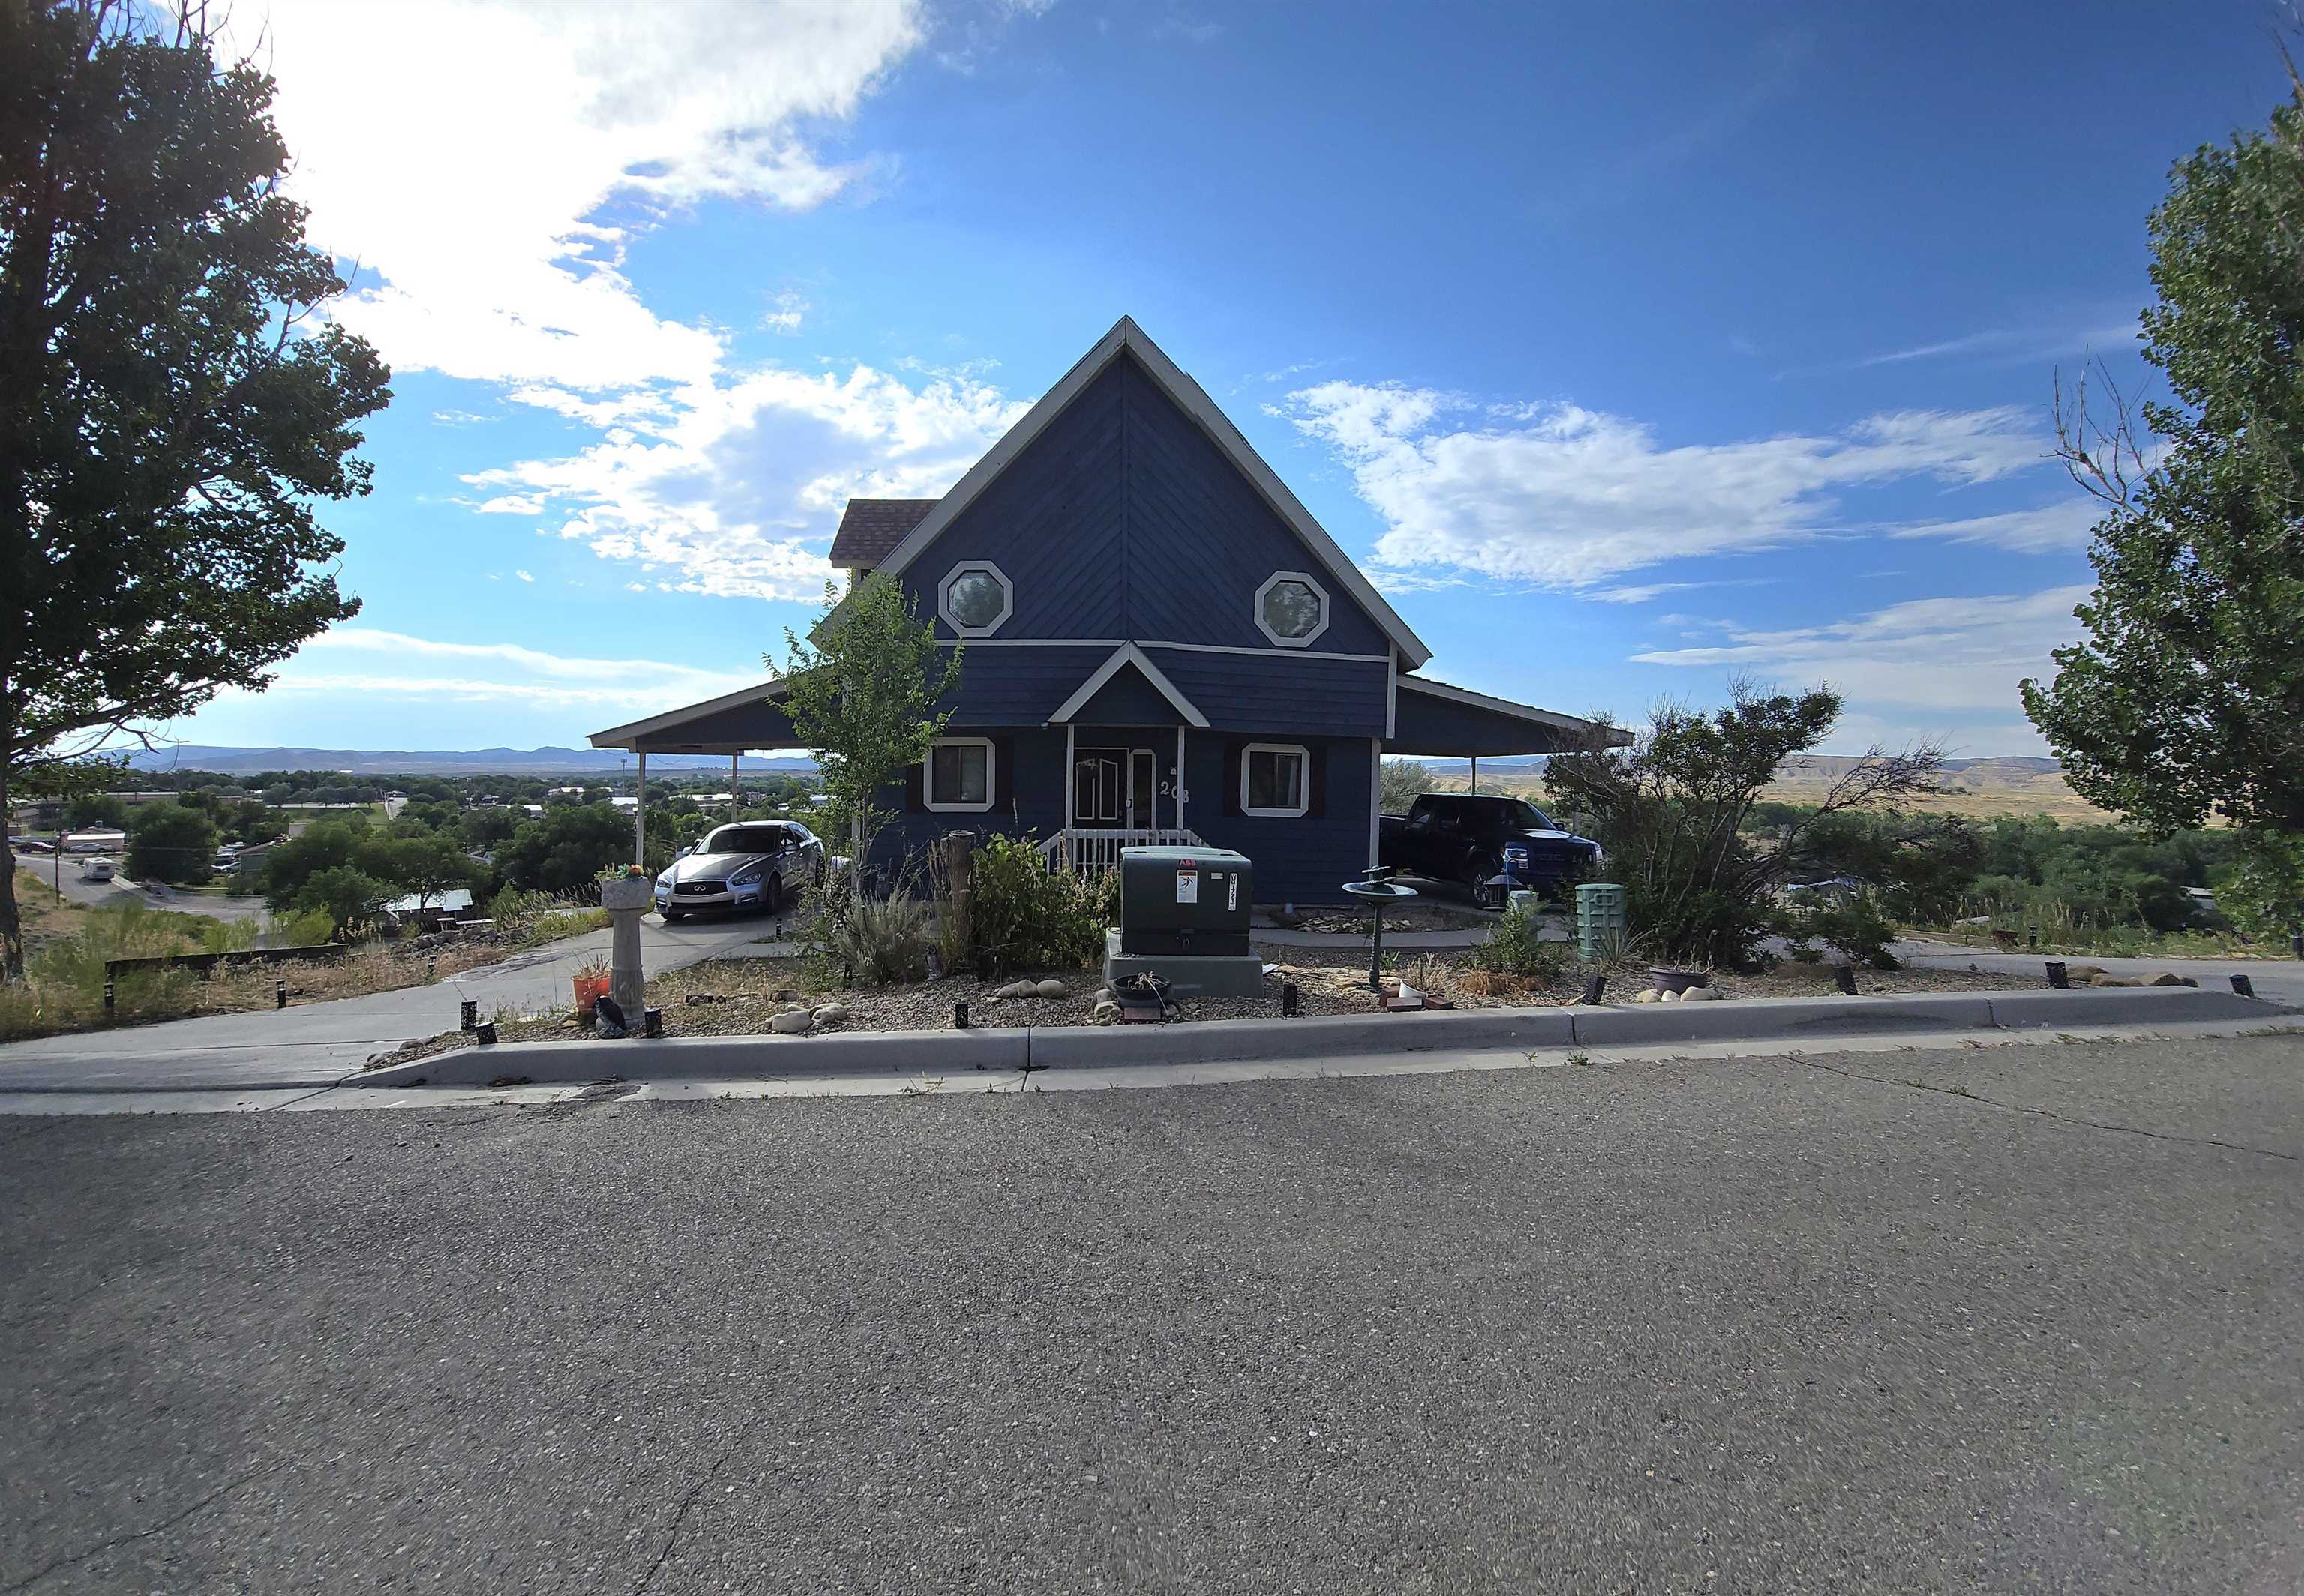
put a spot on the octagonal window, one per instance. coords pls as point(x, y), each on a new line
point(1291, 610)
point(977, 598)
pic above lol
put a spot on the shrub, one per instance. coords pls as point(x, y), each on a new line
point(1514, 948)
point(851, 939)
point(1856, 929)
point(1031, 917)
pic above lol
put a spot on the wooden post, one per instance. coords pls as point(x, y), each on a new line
point(960, 869)
point(639, 815)
point(735, 787)
point(1071, 776)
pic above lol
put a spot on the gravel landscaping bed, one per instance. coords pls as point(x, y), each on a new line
point(740, 996)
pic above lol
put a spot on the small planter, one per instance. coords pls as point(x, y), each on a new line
point(1679, 981)
point(589, 991)
point(627, 892)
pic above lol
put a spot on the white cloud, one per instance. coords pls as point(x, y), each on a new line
point(1566, 496)
point(467, 156)
point(790, 310)
point(523, 575)
point(1934, 655)
point(734, 486)
point(377, 663)
point(2050, 530)
point(491, 221)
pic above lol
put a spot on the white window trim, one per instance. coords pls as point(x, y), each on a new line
point(1274, 581)
point(1007, 597)
point(991, 776)
point(1303, 791)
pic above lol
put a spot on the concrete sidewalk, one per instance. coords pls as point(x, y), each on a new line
point(316, 1044)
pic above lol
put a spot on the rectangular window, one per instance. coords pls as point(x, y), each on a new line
point(959, 775)
point(1276, 779)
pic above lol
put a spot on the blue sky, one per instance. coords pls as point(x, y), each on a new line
point(1626, 348)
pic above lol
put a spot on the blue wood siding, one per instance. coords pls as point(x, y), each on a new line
point(1280, 692)
point(1029, 786)
point(1019, 687)
point(1052, 523)
point(1302, 860)
point(1201, 539)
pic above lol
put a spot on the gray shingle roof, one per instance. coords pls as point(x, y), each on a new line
point(870, 530)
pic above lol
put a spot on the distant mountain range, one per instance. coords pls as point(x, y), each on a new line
point(474, 761)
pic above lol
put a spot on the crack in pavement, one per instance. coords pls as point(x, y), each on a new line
point(173, 1519)
point(680, 1518)
point(1963, 1093)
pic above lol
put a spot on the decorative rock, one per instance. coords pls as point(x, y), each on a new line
point(830, 1013)
point(1019, 989)
point(2116, 980)
point(793, 1022)
point(1107, 1013)
point(1667, 997)
point(2082, 972)
point(1052, 988)
point(1645, 995)
point(1700, 994)
point(2167, 977)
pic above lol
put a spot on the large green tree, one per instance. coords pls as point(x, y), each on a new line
point(172, 842)
point(2186, 698)
point(169, 408)
point(864, 686)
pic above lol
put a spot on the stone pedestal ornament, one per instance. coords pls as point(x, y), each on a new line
point(626, 898)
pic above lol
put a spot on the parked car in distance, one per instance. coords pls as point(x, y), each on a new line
point(97, 869)
point(33, 845)
point(751, 864)
point(1459, 836)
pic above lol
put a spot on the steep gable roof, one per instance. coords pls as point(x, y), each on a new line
point(1127, 338)
point(870, 529)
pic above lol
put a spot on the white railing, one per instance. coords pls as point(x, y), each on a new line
point(1100, 850)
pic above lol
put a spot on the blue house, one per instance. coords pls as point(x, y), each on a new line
point(1161, 646)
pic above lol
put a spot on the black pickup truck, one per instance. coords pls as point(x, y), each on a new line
point(1456, 836)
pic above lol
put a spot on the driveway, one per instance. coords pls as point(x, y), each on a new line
point(316, 1043)
point(2027, 1319)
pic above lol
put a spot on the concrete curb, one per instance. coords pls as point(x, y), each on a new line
point(717, 1057)
point(1335, 1036)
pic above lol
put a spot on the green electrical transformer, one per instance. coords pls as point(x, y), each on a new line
point(1184, 916)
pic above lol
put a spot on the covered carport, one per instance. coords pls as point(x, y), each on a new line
point(735, 724)
point(1432, 720)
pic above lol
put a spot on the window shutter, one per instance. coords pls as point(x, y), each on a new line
point(1232, 778)
point(915, 800)
point(1316, 780)
point(1003, 774)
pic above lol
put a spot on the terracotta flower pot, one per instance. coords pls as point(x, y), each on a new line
point(589, 991)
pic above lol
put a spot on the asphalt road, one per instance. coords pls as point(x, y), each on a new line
point(1753, 1326)
point(119, 890)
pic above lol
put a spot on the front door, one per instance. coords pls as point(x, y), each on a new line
point(1099, 789)
point(1116, 789)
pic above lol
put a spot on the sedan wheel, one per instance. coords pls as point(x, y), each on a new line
point(674, 916)
point(772, 895)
